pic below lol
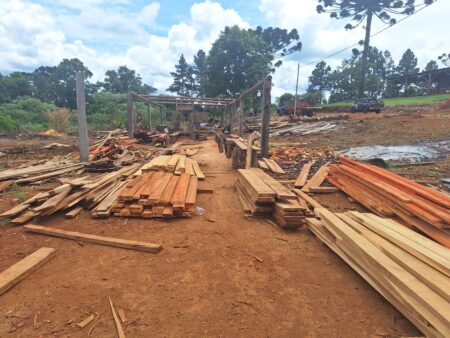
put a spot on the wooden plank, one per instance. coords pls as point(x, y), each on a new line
point(24, 268)
point(74, 212)
point(417, 245)
point(317, 179)
point(109, 241)
point(422, 271)
point(191, 193)
point(303, 176)
point(197, 170)
point(5, 185)
point(273, 166)
point(189, 168)
point(263, 165)
point(249, 154)
point(158, 191)
point(49, 175)
point(179, 195)
point(52, 202)
point(25, 217)
point(168, 192)
point(260, 187)
point(280, 190)
point(15, 210)
point(323, 190)
point(311, 201)
point(432, 306)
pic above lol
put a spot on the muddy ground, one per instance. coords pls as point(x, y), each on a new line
point(224, 275)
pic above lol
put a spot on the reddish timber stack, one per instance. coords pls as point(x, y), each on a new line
point(260, 194)
point(388, 194)
point(158, 194)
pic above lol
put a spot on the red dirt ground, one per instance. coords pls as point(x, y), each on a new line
point(216, 286)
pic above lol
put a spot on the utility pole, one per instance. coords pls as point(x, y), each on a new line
point(296, 90)
point(265, 123)
point(83, 139)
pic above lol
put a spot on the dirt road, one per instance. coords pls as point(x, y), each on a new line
point(224, 275)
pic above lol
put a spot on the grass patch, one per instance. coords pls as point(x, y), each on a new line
point(401, 101)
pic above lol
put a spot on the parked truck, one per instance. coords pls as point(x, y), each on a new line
point(303, 109)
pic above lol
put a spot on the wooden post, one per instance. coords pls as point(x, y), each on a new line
point(267, 87)
point(131, 118)
point(160, 116)
point(241, 116)
point(233, 117)
point(296, 90)
point(248, 159)
point(149, 116)
point(82, 122)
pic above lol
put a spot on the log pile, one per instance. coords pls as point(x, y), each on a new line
point(72, 196)
point(411, 271)
point(388, 194)
point(157, 194)
point(262, 195)
point(176, 164)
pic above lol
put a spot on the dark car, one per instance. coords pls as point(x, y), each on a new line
point(367, 105)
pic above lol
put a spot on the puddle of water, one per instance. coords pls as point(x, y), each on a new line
point(405, 153)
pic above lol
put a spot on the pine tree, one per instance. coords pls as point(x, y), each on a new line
point(183, 78)
point(408, 63)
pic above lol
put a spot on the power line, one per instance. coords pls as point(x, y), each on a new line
point(374, 34)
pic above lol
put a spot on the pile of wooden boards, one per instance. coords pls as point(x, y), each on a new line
point(111, 147)
point(411, 271)
point(72, 196)
point(388, 194)
point(176, 164)
point(157, 194)
point(271, 165)
point(36, 173)
point(260, 194)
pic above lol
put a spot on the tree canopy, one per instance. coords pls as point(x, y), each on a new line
point(183, 78)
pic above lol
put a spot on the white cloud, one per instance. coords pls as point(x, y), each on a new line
point(34, 36)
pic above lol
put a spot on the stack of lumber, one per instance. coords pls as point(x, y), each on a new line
point(176, 164)
point(79, 193)
point(260, 194)
point(157, 194)
point(40, 172)
point(388, 194)
point(411, 271)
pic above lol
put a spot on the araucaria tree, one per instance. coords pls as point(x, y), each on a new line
point(359, 11)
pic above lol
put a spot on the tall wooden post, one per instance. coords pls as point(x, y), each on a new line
point(83, 139)
point(131, 118)
point(149, 116)
point(241, 116)
point(267, 87)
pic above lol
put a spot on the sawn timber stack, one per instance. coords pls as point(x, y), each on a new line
point(388, 194)
point(158, 194)
point(260, 194)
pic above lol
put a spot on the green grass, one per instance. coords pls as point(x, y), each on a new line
point(401, 101)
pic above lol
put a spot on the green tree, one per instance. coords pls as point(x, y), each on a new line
point(183, 78)
point(286, 97)
point(445, 59)
point(431, 65)
point(319, 81)
point(360, 10)
point(15, 85)
point(124, 80)
point(237, 60)
point(200, 67)
point(408, 63)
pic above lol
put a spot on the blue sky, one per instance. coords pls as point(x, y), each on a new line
point(149, 36)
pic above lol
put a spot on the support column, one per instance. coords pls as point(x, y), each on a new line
point(131, 117)
point(241, 116)
point(265, 122)
point(83, 139)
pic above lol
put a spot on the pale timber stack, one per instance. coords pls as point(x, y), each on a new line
point(157, 194)
point(260, 194)
point(176, 164)
point(388, 194)
point(411, 271)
